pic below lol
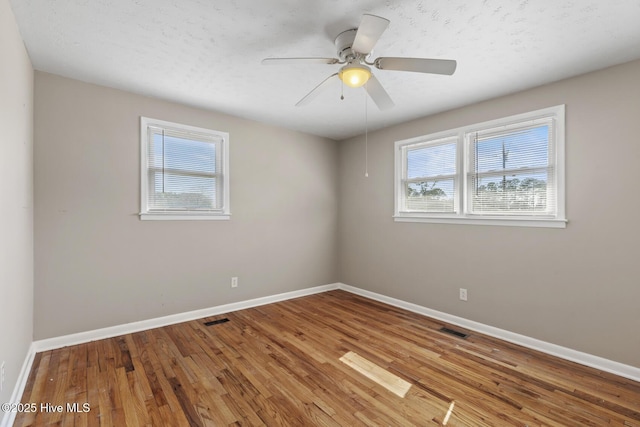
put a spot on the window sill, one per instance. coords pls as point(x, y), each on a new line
point(507, 222)
point(157, 216)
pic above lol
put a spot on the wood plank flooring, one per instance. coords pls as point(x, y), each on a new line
point(278, 365)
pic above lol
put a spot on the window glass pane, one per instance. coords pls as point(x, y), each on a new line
point(431, 160)
point(179, 192)
point(431, 196)
point(512, 150)
point(182, 153)
point(514, 193)
point(510, 172)
point(182, 174)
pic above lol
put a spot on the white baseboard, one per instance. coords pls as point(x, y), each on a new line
point(143, 325)
point(23, 377)
point(586, 359)
point(626, 371)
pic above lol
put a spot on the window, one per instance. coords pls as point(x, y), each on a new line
point(504, 172)
point(184, 171)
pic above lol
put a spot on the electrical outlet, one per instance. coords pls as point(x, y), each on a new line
point(234, 282)
point(2, 376)
point(463, 294)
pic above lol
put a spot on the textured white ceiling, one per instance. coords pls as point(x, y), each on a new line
point(207, 53)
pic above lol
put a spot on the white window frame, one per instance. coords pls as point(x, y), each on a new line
point(462, 214)
point(224, 213)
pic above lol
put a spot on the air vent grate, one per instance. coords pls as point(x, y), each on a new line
point(216, 322)
point(454, 332)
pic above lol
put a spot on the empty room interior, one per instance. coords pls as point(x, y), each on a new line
point(336, 213)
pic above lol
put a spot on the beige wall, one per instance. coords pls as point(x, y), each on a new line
point(16, 200)
point(577, 287)
point(98, 265)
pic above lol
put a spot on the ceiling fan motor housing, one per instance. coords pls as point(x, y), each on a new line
point(343, 43)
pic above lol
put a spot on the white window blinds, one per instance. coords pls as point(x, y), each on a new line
point(511, 170)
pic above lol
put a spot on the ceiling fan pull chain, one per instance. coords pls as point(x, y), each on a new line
point(341, 90)
point(366, 134)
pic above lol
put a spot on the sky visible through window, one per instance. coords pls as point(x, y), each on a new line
point(514, 150)
point(431, 161)
point(511, 151)
point(184, 154)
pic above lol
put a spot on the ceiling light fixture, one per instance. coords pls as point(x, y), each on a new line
point(355, 75)
point(354, 46)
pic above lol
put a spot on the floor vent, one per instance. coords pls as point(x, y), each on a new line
point(216, 322)
point(454, 332)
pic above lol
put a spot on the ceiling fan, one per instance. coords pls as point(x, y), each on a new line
point(354, 48)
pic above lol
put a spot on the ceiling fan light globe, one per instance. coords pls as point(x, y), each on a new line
point(355, 75)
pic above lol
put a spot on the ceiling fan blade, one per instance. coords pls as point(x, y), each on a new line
point(418, 65)
point(370, 29)
point(294, 61)
point(316, 90)
point(378, 94)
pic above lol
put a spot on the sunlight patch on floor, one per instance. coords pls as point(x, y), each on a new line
point(391, 382)
point(449, 412)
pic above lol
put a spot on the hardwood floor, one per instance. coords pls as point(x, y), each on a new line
point(279, 365)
